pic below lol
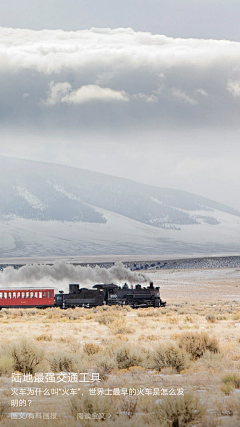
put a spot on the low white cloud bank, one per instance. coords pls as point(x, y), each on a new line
point(151, 79)
point(51, 51)
point(62, 92)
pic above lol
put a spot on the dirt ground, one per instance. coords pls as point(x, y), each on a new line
point(198, 285)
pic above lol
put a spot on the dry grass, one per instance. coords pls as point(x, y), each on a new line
point(196, 344)
point(120, 326)
point(132, 349)
point(6, 365)
point(180, 411)
point(91, 349)
point(63, 362)
point(170, 355)
point(44, 337)
point(92, 405)
point(26, 356)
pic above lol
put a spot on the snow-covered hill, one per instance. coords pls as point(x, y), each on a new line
point(48, 209)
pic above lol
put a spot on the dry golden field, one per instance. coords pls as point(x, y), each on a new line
point(174, 366)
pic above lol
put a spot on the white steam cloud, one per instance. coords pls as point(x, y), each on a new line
point(61, 271)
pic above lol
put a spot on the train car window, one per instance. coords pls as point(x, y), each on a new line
point(40, 294)
point(5, 295)
point(19, 294)
point(36, 294)
point(10, 295)
point(44, 294)
point(23, 294)
point(31, 294)
point(49, 294)
point(27, 294)
point(1, 294)
point(14, 295)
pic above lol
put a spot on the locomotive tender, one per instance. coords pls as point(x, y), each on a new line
point(101, 294)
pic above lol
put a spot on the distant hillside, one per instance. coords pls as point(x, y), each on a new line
point(48, 195)
point(42, 191)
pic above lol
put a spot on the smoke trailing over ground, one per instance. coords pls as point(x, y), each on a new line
point(64, 272)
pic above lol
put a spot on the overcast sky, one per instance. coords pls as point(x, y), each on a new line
point(151, 93)
point(217, 19)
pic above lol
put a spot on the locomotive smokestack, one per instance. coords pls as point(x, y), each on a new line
point(151, 285)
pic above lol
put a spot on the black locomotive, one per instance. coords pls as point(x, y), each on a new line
point(110, 294)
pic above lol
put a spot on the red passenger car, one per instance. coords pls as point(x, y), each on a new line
point(26, 298)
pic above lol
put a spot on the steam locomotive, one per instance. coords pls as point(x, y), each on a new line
point(110, 294)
